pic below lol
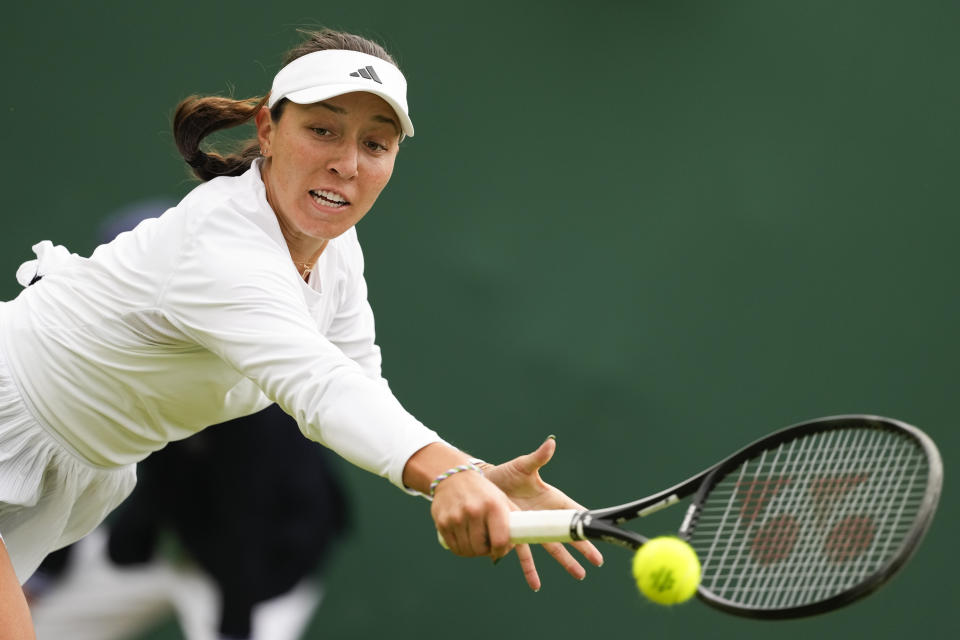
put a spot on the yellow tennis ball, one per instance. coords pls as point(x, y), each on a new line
point(667, 570)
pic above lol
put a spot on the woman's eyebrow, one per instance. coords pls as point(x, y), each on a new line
point(342, 111)
point(387, 120)
point(331, 107)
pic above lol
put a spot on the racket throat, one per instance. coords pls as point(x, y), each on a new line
point(597, 529)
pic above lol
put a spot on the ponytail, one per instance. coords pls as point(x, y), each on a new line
point(197, 117)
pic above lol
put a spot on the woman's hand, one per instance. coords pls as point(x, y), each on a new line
point(520, 480)
point(471, 511)
point(472, 515)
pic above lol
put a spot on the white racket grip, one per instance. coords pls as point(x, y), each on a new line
point(534, 527)
point(541, 526)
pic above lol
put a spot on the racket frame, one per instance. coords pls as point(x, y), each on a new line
point(603, 524)
point(883, 573)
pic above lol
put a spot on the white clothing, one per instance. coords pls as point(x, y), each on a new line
point(191, 319)
point(97, 600)
point(197, 317)
point(49, 495)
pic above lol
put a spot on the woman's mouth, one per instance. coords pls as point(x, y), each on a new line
point(328, 198)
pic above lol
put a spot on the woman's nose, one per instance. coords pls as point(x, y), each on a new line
point(344, 162)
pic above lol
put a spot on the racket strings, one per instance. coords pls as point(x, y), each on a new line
point(810, 518)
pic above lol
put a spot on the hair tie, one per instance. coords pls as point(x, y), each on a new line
point(198, 160)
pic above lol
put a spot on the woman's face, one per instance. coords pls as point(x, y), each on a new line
point(327, 162)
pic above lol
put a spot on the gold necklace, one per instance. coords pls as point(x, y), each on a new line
point(304, 268)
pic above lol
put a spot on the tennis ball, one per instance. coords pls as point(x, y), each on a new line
point(667, 570)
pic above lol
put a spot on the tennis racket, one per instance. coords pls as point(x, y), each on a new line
point(803, 521)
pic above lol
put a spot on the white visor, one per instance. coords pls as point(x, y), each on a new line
point(334, 72)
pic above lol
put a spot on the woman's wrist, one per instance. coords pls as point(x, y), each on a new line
point(469, 467)
point(424, 466)
point(483, 465)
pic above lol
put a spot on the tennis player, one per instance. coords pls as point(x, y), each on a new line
point(250, 291)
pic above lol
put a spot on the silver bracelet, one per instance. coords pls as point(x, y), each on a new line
point(449, 472)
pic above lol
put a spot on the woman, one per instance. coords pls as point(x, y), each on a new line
point(250, 291)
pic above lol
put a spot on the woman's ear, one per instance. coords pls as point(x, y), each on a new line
point(265, 130)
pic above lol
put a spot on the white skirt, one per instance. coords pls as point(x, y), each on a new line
point(50, 496)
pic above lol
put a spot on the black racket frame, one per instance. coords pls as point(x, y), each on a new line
point(602, 524)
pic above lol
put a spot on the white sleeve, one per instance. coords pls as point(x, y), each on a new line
point(353, 329)
point(232, 293)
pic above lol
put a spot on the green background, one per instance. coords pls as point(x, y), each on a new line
point(656, 229)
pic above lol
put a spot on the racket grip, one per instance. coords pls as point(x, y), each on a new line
point(542, 526)
point(535, 527)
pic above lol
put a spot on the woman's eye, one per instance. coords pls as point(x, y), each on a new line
point(320, 131)
point(376, 146)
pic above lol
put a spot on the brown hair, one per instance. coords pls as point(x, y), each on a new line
point(196, 117)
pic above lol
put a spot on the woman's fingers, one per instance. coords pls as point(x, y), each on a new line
point(467, 537)
point(532, 462)
point(498, 533)
point(563, 556)
point(528, 566)
point(457, 540)
point(590, 552)
point(477, 537)
point(567, 561)
point(472, 515)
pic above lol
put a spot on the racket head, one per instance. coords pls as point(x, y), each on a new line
point(814, 516)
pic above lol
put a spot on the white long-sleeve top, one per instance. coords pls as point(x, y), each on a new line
point(197, 317)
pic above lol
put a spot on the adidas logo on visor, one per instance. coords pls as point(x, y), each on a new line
point(368, 73)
